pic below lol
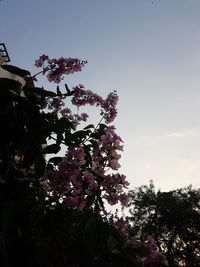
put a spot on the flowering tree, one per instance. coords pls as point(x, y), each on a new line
point(52, 211)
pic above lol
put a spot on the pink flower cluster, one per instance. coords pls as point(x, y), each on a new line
point(83, 97)
point(75, 119)
point(113, 186)
point(75, 179)
point(106, 155)
point(109, 105)
point(57, 68)
point(57, 104)
point(155, 257)
point(68, 181)
point(122, 225)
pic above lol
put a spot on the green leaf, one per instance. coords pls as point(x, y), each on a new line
point(94, 143)
point(9, 84)
point(89, 126)
point(68, 138)
point(111, 243)
point(51, 149)
point(39, 91)
point(55, 160)
point(80, 135)
point(67, 89)
point(90, 199)
point(63, 124)
point(102, 126)
point(100, 131)
point(15, 70)
point(59, 138)
point(142, 251)
point(29, 157)
point(58, 91)
point(93, 237)
point(39, 165)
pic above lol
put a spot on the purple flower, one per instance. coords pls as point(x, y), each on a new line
point(84, 116)
point(112, 198)
point(123, 198)
point(109, 105)
point(84, 97)
point(57, 68)
point(122, 226)
point(39, 62)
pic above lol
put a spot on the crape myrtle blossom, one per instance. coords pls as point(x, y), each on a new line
point(75, 178)
point(55, 69)
point(154, 258)
point(122, 225)
point(57, 105)
point(74, 181)
point(109, 105)
point(66, 182)
point(80, 98)
point(75, 119)
point(106, 152)
point(84, 97)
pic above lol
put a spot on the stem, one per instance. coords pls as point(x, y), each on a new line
point(30, 79)
point(99, 122)
point(36, 74)
point(94, 129)
point(56, 140)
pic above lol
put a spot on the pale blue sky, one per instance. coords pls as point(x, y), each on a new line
point(148, 52)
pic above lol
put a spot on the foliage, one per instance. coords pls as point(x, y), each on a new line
point(172, 218)
point(52, 211)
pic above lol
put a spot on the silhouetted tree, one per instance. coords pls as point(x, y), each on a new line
point(172, 218)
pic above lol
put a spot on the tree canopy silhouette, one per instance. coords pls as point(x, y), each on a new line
point(172, 218)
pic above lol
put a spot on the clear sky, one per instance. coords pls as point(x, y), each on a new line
point(149, 51)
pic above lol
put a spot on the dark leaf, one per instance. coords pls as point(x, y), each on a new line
point(93, 237)
point(80, 135)
point(63, 124)
point(29, 157)
point(59, 138)
point(9, 84)
point(89, 126)
point(111, 242)
point(67, 89)
point(102, 127)
point(51, 149)
point(39, 91)
point(55, 160)
point(15, 70)
point(39, 165)
point(94, 143)
point(58, 91)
